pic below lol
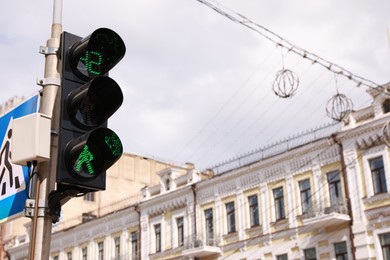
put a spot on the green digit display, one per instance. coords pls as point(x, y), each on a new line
point(92, 61)
point(114, 144)
point(85, 157)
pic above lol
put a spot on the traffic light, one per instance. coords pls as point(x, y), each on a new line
point(86, 147)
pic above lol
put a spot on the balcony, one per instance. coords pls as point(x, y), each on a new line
point(197, 247)
point(322, 217)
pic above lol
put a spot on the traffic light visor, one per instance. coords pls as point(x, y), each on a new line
point(93, 153)
point(93, 103)
point(96, 54)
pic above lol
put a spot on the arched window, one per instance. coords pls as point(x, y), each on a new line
point(386, 106)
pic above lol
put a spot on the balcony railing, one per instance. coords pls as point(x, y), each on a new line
point(196, 241)
point(196, 246)
point(339, 207)
point(336, 213)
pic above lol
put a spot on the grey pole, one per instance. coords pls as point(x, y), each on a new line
point(42, 224)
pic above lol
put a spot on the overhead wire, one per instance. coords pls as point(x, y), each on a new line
point(229, 116)
point(307, 55)
point(254, 123)
point(279, 41)
point(212, 119)
point(284, 43)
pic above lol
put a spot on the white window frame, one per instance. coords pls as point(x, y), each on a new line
point(371, 154)
point(234, 215)
point(152, 234)
point(131, 242)
point(113, 245)
point(175, 216)
point(248, 210)
point(377, 243)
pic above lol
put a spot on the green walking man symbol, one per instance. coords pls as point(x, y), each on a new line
point(86, 158)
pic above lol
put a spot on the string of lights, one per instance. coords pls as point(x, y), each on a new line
point(290, 47)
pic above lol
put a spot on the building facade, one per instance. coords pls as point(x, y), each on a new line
point(323, 195)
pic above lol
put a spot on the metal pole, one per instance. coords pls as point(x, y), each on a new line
point(42, 223)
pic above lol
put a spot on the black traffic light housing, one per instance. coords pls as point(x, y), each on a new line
point(86, 147)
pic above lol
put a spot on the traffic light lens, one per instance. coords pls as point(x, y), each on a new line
point(90, 105)
point(114, 144)
point(96, 54)
point(91, 63)
point(93, 153)
point(85, 158)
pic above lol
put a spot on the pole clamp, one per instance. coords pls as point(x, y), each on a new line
point(30, 208)
point(49, 81)
point(48, 50)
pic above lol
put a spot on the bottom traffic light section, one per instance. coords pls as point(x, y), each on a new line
point(82, 165)
point(86, 158)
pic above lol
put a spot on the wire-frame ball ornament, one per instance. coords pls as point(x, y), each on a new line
point(339, 107)
point(286, 83)
point(386, 133)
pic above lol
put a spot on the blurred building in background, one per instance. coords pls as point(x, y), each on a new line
point(321, 195)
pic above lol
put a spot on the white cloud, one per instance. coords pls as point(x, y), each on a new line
point(192, 91)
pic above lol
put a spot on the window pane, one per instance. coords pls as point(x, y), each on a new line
point(84, 253)
point(117, 247)
point(333, 176)
point(304, 187)
point(208, 214)
point(378, 175)
point(340, 247)
point(100, 250)
point(282, 257)
point(334, 187)
point(341, 250)
point(253, 210)
point(134, 245)
point(231, 218)
point(386, 253)
point(279, 203)
point(310, 254)
point(376, 163)
point(180, 230)
point(157, 230)
point(385, 239)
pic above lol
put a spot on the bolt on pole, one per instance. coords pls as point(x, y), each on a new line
point(40, 237)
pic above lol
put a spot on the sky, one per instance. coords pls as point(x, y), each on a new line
point(197, 86)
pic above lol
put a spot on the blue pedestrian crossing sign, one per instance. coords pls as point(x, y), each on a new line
point(14, 179)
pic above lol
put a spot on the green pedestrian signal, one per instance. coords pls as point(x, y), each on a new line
point(85, 158)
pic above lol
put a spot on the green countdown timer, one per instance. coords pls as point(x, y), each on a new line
point(96, 54)
point(92, 61)
point(93, 153)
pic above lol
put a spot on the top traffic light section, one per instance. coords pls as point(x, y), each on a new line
point(92, 56)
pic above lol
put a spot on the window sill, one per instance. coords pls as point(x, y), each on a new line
point(281, 223)
point(377, 197)
point(230, 237)
point(254, 231)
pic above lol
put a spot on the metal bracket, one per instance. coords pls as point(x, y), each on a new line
point(48, 50)
point(49, 81)
point(30, 208)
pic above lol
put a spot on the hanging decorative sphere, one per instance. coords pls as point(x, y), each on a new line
point(339, 106)
point(286, 83)
point(386, 133)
